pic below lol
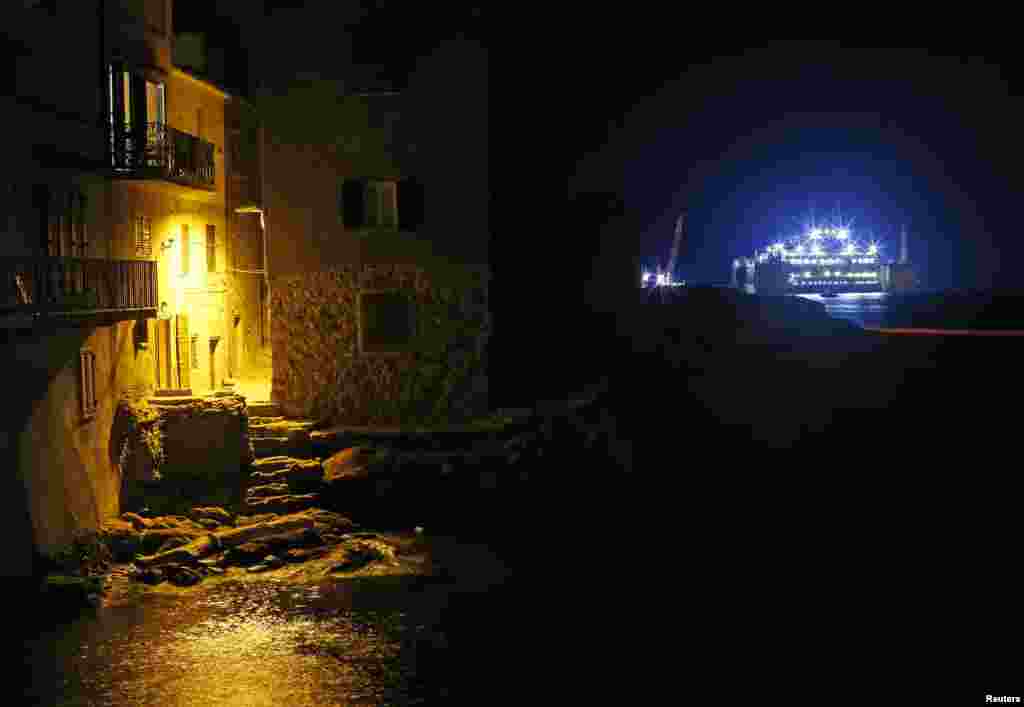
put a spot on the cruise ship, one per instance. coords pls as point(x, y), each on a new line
point(824, 260)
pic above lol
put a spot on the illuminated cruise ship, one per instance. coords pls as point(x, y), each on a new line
point(824, 260)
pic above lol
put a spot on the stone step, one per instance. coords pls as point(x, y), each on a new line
point(263, 490)
point(262, 420)
point(280, 446)
point(282, 504)
point(263, 408)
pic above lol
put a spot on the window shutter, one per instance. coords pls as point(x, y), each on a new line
point(211, 248)
point(353, 203)
point(410, 204)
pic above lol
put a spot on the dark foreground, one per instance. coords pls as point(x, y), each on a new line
point(811, 513)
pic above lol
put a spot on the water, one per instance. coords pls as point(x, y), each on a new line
point(865, 309)
point(367, 641)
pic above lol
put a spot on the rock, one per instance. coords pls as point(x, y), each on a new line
point(330, 521)
point(121, 538)
point(213, 569)
point(347, 465)
point(182, 576)
point(150, 575)
point(219, 515)
point(331, 538)
point(283, 504)
point(305, 537)
point(277, 526)
point(174, 542)
point(242, 521)
point(301, 555)
point(246, 554)
point(257, 568)
point(267, 490)
point(137, 521)
point(186, 554)
point(298, 471)
point(209, 523)
point(273, 561)
point(271, 464)
point(358, 555)
point(153, 540)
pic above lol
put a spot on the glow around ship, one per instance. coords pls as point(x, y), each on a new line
point(821, 260)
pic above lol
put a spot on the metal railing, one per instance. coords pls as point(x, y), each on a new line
point(53, 285)
point(156, 149)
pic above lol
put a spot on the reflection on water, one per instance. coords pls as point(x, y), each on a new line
point(372, 641)
point(865, 309)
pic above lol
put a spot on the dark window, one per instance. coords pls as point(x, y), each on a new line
point(87, 383)
point(386, 322)
point(211, 248)
point(410, 205)
point(195, 351)
point(62, 214)
point(353, 211)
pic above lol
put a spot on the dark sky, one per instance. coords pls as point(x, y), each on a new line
point(746, 143)
point(744, 138)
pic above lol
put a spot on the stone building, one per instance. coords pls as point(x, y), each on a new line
point(115, 256)
point(376, 216)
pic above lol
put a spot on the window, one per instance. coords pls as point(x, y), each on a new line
point(211, 248)
point(369, 203)
point(195, 351)
point(143, 237)
point(385, 322)
point(62, 215)
point(87, 383)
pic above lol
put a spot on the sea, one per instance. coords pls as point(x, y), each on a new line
point(865, 309)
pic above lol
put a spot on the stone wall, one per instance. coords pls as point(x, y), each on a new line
point(320, 372)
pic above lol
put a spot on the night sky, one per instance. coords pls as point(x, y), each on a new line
point(746, 139)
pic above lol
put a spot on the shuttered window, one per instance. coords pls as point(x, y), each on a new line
point(211, 248)
point(87, 383)
point(143, 237)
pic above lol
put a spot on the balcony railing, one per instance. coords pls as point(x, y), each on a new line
point(53, 286)
point(157, 150)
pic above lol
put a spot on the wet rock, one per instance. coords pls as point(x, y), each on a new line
point(149, 575)
point(153, 540)
point(213, 569)
point(182, 576)
point(174, 542)
point(303, 554)
point(243, 521)
point(331, 538)
point(121, 538)
point(214, 513)
point(306, 537)
point(137, 521)
point(246, 554)
point(267, 490)
point(257, 568)
point(299, 471)
point(331, 522)
point(283, 504)
point(185, 554)
point(273, 561)
point(359, 554)
point(272, 464)
point(209, 523)
point(347, 465)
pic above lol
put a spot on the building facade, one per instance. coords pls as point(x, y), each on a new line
point(376, 215)
point(115, 260)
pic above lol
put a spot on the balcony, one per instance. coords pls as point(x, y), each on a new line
point(162, 152)
point(51, 288)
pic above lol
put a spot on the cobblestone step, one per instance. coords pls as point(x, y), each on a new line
point(263, 408)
